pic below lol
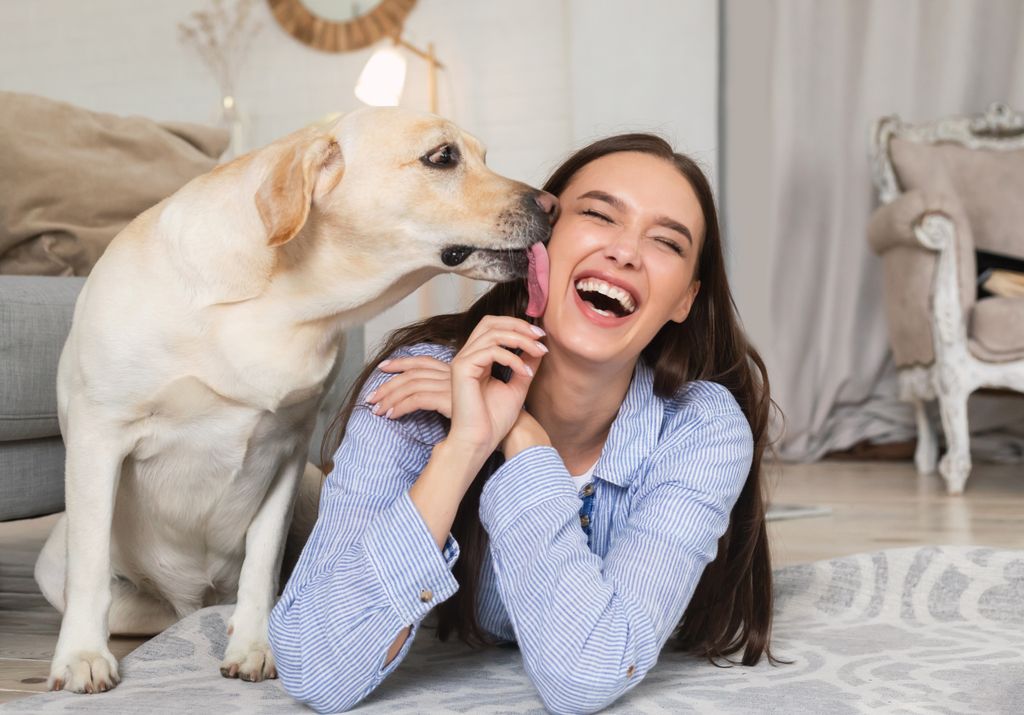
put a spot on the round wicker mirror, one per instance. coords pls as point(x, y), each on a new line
point(341, 25)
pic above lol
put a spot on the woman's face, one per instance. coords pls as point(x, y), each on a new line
point(630, 226)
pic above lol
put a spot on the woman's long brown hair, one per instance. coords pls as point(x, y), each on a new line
point(731, 608)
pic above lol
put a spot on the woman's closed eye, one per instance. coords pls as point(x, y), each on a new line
point(671, 244)
point(597, 215)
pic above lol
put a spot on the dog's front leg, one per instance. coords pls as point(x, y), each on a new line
point(248, 653)
point(82, 662)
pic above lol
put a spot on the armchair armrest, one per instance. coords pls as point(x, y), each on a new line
point(910, 266)
point(893, 224)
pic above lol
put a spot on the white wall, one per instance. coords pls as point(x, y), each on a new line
point(532, 78)
point(649, 65)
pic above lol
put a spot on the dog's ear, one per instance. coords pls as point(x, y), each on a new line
point(308, 170)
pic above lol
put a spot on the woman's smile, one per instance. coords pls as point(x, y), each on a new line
point(617, 305)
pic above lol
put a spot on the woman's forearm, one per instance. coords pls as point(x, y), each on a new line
point(437, 493)
point(371, 570)
point(439, 489)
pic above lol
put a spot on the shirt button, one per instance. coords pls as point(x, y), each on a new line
point(630, 670)
point(588, 490)
point(584, 521)
point(426, 594)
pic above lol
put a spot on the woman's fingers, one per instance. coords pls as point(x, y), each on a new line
point(437, 396)
point(482, 358)
point(508, 339)
point(403, 378)
point(532, 360)
point(435, 400)
point(407, 370)
point(417, 361)
point(421, 383)
point(505, 324)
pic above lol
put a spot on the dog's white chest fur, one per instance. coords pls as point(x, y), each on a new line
point(191, 487)
point(205, 437)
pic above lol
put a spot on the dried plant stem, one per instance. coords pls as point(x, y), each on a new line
point(222, 36)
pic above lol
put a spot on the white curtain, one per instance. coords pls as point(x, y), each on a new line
point(802, 82)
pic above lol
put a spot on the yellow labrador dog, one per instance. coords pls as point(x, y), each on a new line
point(201, 345)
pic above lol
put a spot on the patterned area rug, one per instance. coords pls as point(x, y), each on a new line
point(919, 630)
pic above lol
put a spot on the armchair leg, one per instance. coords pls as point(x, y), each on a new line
point(927, 453)
point(955, 465)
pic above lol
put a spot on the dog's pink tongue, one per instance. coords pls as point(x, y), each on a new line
point(537, 280)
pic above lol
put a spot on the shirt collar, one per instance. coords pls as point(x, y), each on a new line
point(634, 432)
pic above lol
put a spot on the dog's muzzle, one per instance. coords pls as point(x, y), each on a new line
point(454, 255)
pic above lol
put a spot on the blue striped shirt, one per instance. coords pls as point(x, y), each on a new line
point(589, 621)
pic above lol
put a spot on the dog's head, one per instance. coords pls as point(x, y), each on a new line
point(404, 188)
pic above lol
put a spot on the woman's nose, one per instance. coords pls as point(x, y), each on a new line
point(624, 249)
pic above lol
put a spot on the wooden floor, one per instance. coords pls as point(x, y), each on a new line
point(874, 506)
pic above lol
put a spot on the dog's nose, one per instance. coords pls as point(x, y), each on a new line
point(548, 204)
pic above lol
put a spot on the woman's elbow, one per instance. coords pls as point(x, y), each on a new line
point(327, 701)
point(578, 693)
point(308, 670)
point(320, 691)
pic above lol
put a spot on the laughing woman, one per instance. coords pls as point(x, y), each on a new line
point(606, 497)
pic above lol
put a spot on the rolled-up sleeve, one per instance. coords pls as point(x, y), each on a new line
point(591, 628)
point(371, 568)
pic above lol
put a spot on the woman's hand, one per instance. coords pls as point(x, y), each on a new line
point(422, 383)
point(484, 409)
point(425, 383)
point(525, 433)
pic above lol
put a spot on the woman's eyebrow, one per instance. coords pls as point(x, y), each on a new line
point(619, 204)
point(675, 226)
point(615, 201)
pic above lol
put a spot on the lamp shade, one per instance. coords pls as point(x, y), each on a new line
point(382, 79)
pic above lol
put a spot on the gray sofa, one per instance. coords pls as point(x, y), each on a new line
point(35, 316)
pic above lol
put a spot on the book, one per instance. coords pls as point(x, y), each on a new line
point(1002, 283)
point(999, 275)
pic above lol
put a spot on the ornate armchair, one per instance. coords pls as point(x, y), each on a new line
point(949, 188)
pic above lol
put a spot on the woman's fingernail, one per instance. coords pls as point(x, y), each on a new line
point(542, 346)
point(388, 413)
point(377, 409)
point(538, 330)
point(529, 371)
point(369, 398)
point(382, 364)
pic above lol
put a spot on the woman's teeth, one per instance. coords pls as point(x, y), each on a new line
point(595, 285)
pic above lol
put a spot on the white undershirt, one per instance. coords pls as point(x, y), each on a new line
point(582, 479)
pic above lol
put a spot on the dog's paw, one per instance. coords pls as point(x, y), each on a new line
point(84, 671)
point(251, 664)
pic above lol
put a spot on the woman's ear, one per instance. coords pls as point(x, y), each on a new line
point(683, 308)
point(307, 169)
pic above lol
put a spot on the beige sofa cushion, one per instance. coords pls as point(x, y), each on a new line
point(71, 179)
point(988, 183)
point(997, 329)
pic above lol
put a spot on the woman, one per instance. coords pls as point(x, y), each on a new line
point(638, 384)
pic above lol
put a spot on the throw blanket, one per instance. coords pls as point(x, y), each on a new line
point(71, 179)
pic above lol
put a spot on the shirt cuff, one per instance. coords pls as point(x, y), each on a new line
point(415, 574)
point(532, 477)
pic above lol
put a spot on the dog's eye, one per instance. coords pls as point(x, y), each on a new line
point(445, 156)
